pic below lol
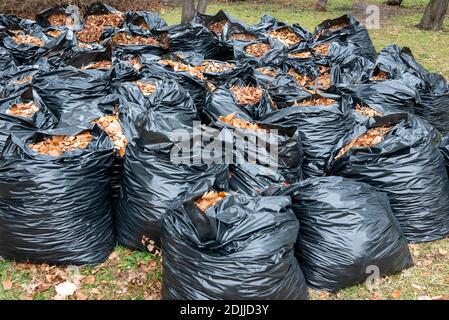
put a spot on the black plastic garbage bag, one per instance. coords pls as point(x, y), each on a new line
point(26, 53)
point(194, 37)
point(434, 102)
point(281, 89)
point(151, 180)
point(69, 86)
point(261, 53)
point(196, 86)
point(363, 112)
point(150, 185)
point(444, 148)
point(291, 36)
point(260, 158)
point(6, 60)
point(239, 249)
point(41, 118)
point(222, 25)
point(346, 28)
point(352, 70)
point(98, 8)
point(397, 61)
point(8, 21)
point(56, 210)
point(346, 229)
point(132, 42)
point(13, 119)
point(143, 21)
point(229, 98)
point(72, 20)
point(390, 93)
point(405, 163)
point(19, 78)
point(320, 125)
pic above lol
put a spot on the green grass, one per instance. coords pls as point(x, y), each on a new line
point(137, 275)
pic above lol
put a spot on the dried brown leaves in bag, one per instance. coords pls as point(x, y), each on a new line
point(209, 199)
point(300, 55)
point(53, 33)
point(135, 61)
point(380, 76)
point(60, 19)
point(180, 67)
point(27, 39)
point(300, 79)
point(103, 64)
point(24, 80)
point(95, 25)
point(26, 110)
point(367, 111)
point(286, 36)
point(322, 49)
point(58, 145)
point(368, 139)
point(257, 49)
point(125, 39)
point(83, 45)
point(238, 123)
point(111, 125)
point(217, 27)
point(323, 81)
point(247, 94)
point(146, 88)
point(270, 72)
point(243, 37)
point(216, 67)
point(321, 101)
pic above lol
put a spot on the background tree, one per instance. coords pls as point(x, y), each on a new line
point(434, 15)
point(320, 5)
point(394, 2)
point(189, 9)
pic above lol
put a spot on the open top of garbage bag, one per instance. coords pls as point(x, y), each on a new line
point(243, 243)
point(66, 16)
point(346, 28)
point(246, 98)
point(322, 120)
point(398, 154)
point(28, 109)
point(75, 175)
point(143, 21)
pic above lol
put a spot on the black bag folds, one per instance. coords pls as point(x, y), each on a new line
point(239, 249)
point(151, 181)
point(56, 209)
point(346, 29)
point(405, 163)
point(339, 240)
point(320, 127)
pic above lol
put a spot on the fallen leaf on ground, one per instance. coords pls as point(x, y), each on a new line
point(442, 252)
point(396, 294)
point(7, 285)
point(90, 280)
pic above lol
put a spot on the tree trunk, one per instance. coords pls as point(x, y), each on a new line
point(188, 10)
point(201, 7)
point(434, 15)
point(394, 2)
point(320, 5)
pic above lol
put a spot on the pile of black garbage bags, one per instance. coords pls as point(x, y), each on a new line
point(337, 155)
